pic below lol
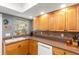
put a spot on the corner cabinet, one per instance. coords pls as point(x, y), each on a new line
point(25, 47)
point(33, 47)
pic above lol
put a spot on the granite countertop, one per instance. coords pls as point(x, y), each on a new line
point(57, 44)
point(8, 41)
point(46, 41)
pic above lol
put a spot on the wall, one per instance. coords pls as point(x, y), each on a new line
point(10, 31)
point(57, 36)
point(0, 34)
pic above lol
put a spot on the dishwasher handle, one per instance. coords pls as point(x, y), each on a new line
point(45, 45)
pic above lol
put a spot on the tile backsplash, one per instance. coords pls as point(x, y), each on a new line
point(56, 35)
point(9, 29)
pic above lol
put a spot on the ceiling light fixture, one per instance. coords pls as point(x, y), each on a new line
point(63, 5)
point(42, 13)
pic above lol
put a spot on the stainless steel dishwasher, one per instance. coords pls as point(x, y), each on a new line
point(44, 49)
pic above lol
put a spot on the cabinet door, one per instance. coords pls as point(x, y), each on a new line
point(23, 47)
point(60, 21)
point(36, 23)
point(11, 49)
point(44, 22)
point(55, 17)
point(51, 22)
point(71, 18)
point(33, 47)
point(78, 18)
point(58, 51)
point(69, 53)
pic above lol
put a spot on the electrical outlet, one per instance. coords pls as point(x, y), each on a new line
point(62, 35)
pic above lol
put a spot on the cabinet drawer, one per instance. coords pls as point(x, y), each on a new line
point(58, 51)
point(69, 53)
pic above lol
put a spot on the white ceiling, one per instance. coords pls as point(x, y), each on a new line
point(29, 10)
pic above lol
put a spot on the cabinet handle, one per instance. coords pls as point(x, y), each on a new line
point(64, 53)
point(65, 30)
point(45, 46)
point(53, 53)
point(19, 46)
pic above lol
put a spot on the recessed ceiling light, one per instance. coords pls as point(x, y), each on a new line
point(42, 13)
point(63, 5)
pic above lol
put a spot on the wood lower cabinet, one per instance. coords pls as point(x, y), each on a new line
point(69, 53)
point(59, 51)
point(11, 49)
point(26, 47)
point(18, 48)
point(23, 47)
point(33, 47)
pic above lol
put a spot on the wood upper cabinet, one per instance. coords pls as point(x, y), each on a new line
point(44, 22)
point(57, 20)
point(18, 48)
point(33, 47)
point(71, 18)
point(60, 20)
point(36, 23)
point(51, 22)
point(78, 18)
